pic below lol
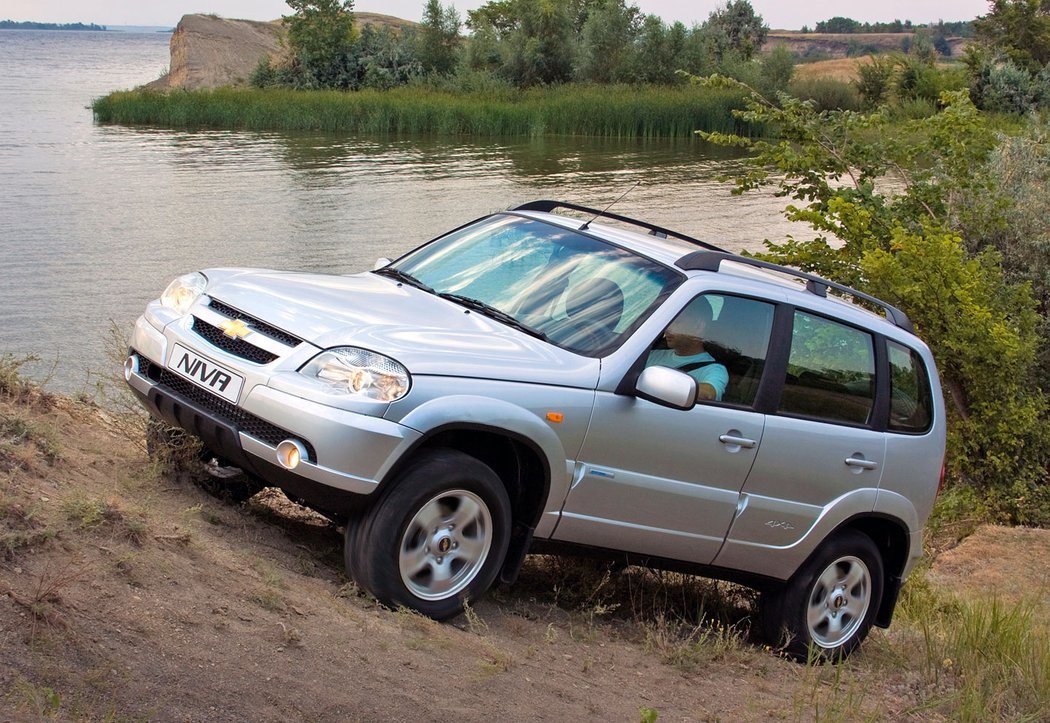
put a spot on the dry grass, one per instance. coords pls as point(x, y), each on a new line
point(844, 69)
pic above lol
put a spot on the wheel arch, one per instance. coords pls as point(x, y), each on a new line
point(893, 540)
point(519, 462)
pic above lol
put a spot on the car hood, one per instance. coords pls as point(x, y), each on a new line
point(427, 334)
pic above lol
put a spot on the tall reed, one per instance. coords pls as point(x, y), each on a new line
point(602, 111)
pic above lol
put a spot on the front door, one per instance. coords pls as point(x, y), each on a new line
point(666, 482)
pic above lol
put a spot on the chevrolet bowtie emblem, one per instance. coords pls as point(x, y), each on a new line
point(235, 328)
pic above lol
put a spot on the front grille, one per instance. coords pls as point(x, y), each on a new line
point(231, 414)
point(238, 347)
point(256, 324)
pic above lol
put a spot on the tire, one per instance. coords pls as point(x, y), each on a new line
point(436, 538)
point(827, 607)
point(184, 457)
point(351, 548)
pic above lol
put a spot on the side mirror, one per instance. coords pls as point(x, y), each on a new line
point(668, 387)
point(380, 263)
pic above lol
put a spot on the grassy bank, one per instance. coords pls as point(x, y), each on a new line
point(607, 111)
point(128, 594)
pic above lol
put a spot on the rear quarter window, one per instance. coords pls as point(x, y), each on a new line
point(911, 401)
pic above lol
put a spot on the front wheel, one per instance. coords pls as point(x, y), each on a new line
point(827, 607)
point(436, 538)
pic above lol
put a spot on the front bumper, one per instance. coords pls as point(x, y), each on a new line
point(348, 452)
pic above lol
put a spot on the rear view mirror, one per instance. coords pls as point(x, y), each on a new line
point(667, 386)
point(380, 263)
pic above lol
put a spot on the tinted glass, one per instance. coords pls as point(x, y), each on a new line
point(582, 293)
point(831, 371)
point(911, 402)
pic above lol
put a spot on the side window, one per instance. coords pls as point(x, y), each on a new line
point(831, 371)
point(911, 402)
point(721, 341)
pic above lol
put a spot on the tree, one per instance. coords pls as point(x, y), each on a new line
point(540, 44)
point(607, 36)
point(437, 40)
point(735, 29)
point(905, 242)
point(777, 69)
point(385, 58)
point(321, 35)
point(839, 24)
point(1020, 29)
point(503, 16)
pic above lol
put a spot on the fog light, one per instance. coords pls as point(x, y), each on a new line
point(131, 366)
point(290, 453)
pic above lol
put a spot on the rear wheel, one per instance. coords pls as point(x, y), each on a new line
point(828, 606)
point(436, 538)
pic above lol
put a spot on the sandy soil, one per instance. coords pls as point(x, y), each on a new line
point(128, 595)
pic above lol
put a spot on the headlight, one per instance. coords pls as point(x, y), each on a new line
point(183, 291)
point(360, 372)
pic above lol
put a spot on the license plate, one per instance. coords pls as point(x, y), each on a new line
point(205, 373)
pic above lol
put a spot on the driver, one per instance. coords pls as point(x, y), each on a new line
point(685, 350)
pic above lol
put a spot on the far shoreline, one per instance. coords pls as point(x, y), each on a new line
point(32, 25)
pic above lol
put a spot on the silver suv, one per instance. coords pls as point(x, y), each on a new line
point(532, 381)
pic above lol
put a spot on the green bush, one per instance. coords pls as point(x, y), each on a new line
point(875, 81)
point(904, 242)
point(917, 79)
point(826, 93)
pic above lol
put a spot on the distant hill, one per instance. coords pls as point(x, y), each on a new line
point(822, 46)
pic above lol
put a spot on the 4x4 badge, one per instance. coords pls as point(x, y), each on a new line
point(235, 328)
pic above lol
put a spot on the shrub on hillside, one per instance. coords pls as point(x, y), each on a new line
point(826, 93)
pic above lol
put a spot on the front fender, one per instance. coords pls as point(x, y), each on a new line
point(501, 417)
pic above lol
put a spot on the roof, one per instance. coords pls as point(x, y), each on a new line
point(694, 256)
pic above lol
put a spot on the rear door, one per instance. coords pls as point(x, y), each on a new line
point(819, 444)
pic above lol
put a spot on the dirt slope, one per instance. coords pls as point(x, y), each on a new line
point(841, 45)
point(128, 595)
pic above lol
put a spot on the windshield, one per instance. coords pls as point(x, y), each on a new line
point(578, 292)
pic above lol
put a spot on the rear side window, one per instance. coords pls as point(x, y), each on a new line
point(911, 402)
point(831, 371)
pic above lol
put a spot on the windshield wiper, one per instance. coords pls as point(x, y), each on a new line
point(404, 277)
point(493, 312)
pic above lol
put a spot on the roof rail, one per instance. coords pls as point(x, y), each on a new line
point(711, 260)
point(658, 231)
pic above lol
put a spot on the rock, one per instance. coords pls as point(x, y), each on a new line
point(211, 52)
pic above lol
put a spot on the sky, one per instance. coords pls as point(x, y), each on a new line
point(783, 14)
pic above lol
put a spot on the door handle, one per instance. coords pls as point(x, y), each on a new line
point(861, 463)
point(730, 440)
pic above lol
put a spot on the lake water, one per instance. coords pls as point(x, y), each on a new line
point(95, 220)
